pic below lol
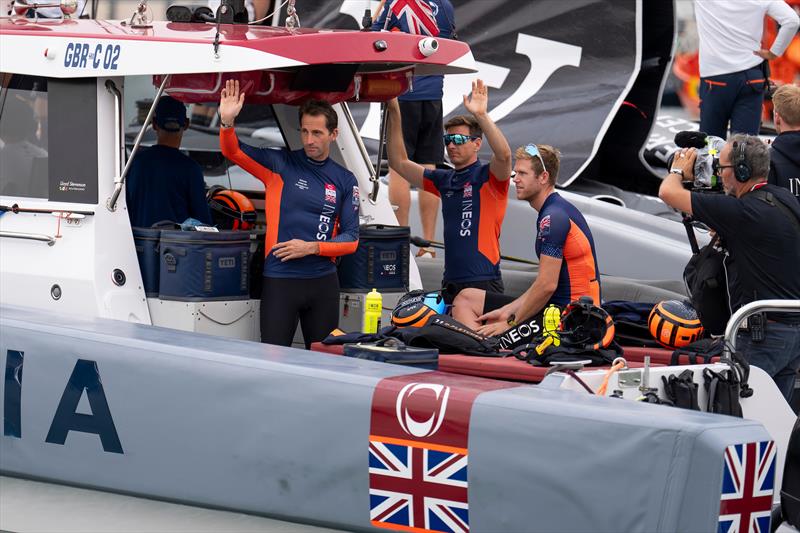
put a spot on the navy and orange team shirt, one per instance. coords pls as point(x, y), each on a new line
point(305, 199)
point(473, 207)
point(563, 233)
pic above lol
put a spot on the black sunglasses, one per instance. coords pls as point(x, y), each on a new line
point(457, 138)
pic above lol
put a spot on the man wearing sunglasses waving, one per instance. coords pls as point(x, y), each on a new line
point(474, 195)
point(567, 259)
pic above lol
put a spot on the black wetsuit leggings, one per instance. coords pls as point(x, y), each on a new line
point(315, 302)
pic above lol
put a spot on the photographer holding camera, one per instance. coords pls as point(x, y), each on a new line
point(759, 225)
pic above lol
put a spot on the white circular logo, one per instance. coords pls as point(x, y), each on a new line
point(427, 427)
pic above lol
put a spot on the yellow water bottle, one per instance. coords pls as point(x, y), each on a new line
point(373, 305)
point(552, 320)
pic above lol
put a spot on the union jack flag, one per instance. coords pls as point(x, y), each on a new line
point(544, 226)
point(748, 481)
point(412, 488)
point(415, 17)
point(330, 193)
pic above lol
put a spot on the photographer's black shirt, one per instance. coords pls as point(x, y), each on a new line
point(764, 245)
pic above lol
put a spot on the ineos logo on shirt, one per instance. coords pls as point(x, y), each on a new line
point(466, 218)
point(325, 221)
point(436, 409)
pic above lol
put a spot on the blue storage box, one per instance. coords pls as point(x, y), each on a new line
point(199, 265)
point(380, 262)
point(146, 242)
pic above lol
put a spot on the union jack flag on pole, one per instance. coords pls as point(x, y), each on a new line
point(415, 17)
point(748, 482)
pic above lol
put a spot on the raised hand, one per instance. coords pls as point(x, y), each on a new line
point(477, 103)
point(230, 102)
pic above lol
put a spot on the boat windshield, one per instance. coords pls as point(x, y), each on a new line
point(48, 133)
point(23, 137)
point(256, 126)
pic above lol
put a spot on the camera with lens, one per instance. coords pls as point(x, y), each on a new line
point(706, 166)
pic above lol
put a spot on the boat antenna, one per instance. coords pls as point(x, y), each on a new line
point(292, 20)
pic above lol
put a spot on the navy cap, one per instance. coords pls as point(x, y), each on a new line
point(170, 114)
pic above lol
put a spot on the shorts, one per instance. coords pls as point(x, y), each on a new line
point(423, 131)
point(525, 332)
point(452, 288)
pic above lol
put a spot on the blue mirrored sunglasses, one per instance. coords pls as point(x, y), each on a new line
point(457, 138)
point(533, 151)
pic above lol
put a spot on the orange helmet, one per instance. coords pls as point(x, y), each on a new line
point(416, 308)
point(674, 324)
point(231, 209)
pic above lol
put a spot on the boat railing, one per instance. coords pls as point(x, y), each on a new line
point(741, 314)
point(50, 240)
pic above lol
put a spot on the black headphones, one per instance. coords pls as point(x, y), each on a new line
point(741, 170)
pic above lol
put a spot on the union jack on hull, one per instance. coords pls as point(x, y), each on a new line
point(413, 488)
point(415, 16)
point(418, 451)
point(748, 482)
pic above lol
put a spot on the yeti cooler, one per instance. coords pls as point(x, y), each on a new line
point(146, 242)
point(395, 352)
point(380, 262)
point(200, 265)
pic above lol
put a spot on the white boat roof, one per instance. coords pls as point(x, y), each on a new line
point(93, 48)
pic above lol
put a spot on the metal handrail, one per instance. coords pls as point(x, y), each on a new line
point(792, 306)
point(112, 88)
point(29, 236)
point(111, 203)
point(373, 173)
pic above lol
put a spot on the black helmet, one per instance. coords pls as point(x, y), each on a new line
point(584, 324)
point(415, 308)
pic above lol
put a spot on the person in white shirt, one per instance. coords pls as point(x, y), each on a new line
point(733, 66)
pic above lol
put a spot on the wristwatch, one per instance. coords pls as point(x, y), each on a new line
point(678, 171)
point(223, 125)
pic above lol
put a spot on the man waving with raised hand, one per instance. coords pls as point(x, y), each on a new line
point(311, 206)
point(474, 195)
